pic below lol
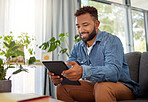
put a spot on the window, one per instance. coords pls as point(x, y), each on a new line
point(116, 1)
point(112, 19)
point(138, 31)
point(116, 18)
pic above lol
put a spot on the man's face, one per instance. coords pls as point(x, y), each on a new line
point(86, 27)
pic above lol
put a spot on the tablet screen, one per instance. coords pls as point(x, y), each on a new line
point(56, 67)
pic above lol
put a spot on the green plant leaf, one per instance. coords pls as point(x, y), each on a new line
point(30, 51)
point(53, 46)
point(58, 42)
point(12, 44)
point(11, 66)
point(52, 39)
point(44, 46)
point(32, 60)
point(67, 34)
point(15, 48)
point(19, 70)
point(1, 61)
point(8, 38)
point(77, 38)
point(6, 44)
point(9, 53)
point(63, 50)
point(62, 37)
point(3, 52)
point(19, 53)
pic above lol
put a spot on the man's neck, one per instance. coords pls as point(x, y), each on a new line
point(90, 43)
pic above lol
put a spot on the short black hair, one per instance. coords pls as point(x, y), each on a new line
point(87, 9)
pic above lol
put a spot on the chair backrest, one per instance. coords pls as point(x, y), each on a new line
point(143, 75)
point(133, 61)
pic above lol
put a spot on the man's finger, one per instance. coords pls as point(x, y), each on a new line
point(71, 63)
point(56, 81)
point(67, 72)
point(55, 77)
point(49, 73)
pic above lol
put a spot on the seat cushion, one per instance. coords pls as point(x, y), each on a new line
point(143, 75)
point(133, 61)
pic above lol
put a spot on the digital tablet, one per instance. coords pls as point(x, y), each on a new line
point(57, 68)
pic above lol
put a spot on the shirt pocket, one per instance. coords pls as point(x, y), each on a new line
point(82, 61)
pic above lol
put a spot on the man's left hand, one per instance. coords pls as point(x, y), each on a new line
point(74, 73)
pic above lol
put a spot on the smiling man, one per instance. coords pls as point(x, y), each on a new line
point(98, 59)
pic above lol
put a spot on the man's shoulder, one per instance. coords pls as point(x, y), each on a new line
point(108, 35)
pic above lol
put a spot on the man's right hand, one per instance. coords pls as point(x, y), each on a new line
point(55, 79)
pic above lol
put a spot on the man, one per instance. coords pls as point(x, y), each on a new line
point(99, 60)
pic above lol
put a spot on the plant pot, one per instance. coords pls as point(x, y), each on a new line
point(5, 85)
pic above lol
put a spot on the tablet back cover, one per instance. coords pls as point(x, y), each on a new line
point(57, 67)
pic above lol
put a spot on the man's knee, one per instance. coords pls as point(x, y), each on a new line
point(102, 86)
point(103, 92)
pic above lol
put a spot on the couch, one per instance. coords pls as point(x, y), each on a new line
point(138, 66)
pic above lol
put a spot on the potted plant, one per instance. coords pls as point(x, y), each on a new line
point(12, 49)
point(53, 43)
point(10, 52)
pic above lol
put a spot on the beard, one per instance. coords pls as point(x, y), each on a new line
point(90, 36)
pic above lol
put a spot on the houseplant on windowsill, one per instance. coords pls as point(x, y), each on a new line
point(54, 43)
point(12, 50)
point(23, 41)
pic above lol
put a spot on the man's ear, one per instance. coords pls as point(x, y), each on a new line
point(97, 23)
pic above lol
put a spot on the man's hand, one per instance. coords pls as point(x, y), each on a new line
point(74, 73)
point(55, 79)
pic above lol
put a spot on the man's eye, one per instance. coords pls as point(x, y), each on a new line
point(78, 26)
point(85, 24)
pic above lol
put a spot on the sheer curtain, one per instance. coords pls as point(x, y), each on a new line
point(42, 19)
point(20, 16)
point(60, 19)
point(26, 16)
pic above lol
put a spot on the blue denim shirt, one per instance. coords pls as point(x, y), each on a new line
point(105, 62)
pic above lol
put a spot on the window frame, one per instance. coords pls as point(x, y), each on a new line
point(129, 26)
